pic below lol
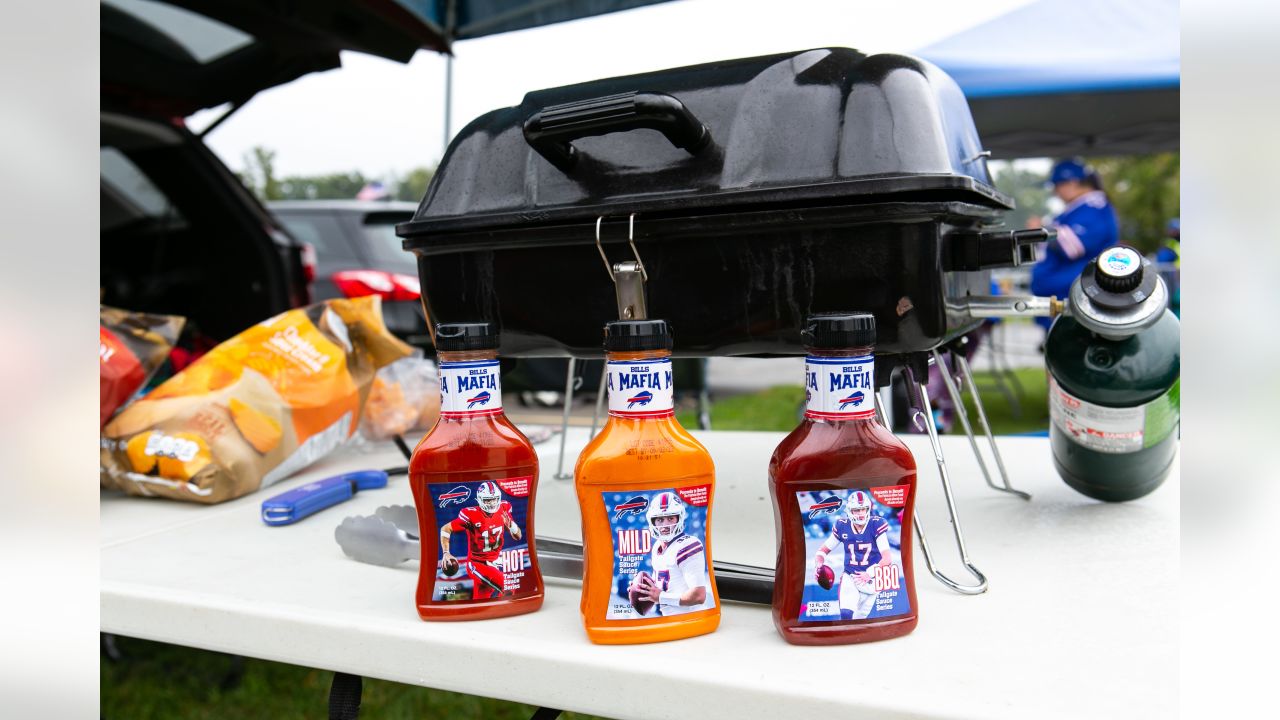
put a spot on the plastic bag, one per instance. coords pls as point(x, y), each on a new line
point(255, 409)
point(131, 346)
point(405, 396)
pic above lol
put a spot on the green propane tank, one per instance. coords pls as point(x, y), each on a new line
point(1113, 364)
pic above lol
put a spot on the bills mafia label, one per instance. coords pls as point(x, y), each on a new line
point(640, 388)
point(840, 388)
point(470, 388)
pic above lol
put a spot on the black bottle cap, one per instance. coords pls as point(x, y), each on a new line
point(455, 337)
point(1119, 269)
point(625, 335)
point(839, 330)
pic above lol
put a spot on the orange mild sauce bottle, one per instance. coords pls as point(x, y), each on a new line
point(474, 479)
point(645, 487)
point(843, 490)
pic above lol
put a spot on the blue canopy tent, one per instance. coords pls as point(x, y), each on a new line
point(1071, 77)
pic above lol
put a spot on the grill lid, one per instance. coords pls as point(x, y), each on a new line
point(821, 127)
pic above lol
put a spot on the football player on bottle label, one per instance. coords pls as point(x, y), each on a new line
point(839, 388)
point(659, 555)
point(483, 549)
point(862, 527)
point(470, 388)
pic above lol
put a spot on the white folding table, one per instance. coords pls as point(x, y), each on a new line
point(1080, 619)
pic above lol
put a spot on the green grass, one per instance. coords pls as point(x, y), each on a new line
point(164, 681)
point(156, 681)
point(777, 408)
point(1034, 404)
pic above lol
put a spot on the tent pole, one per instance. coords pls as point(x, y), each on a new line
point(448, 101)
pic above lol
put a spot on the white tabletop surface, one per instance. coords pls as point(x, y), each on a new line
point(1080, 619)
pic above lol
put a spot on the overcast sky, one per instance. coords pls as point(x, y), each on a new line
point(382, 117)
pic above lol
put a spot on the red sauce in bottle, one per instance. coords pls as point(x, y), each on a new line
point(843, 489)
point(474, 479)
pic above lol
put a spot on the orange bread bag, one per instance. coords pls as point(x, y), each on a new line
point(255, 409)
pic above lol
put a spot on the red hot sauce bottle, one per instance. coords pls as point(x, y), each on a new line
point(474, 480)
point(843, 491)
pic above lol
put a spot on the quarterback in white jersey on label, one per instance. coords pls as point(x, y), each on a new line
point(865, 538)
point(680, 583)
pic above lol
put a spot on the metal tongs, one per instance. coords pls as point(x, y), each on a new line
point(389, 538)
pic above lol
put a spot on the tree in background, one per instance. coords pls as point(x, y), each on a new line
point(413, 186)
point(259, 176)
point(260, 173)
point(1026, 187)
point(333, 186)
point(1145, 190)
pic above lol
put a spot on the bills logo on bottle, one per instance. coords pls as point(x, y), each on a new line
point(640, 398)
point(640, 388)
point(839, 388)
point(634, 506)
point(470, 388)
point(855, 400)
point(456, 496)
point(825, 506)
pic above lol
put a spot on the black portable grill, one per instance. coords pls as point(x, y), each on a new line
point(758, 191)
point(754, 192)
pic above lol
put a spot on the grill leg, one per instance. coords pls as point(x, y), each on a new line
point(600, 398)
point(963, 414)
point(564, 424)
point(967, 374)
point(922, 416)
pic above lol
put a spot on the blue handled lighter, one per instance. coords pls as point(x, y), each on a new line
point(292, 506)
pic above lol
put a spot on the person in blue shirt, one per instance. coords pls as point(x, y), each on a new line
point(1086, 226)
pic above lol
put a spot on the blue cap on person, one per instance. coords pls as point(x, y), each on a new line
point(1174, 228)
point(1069, 169)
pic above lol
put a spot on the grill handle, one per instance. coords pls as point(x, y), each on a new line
point(992, 249)
point(551, 130)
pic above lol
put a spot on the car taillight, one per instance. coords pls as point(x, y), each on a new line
point(308, 262)
point(389, 286)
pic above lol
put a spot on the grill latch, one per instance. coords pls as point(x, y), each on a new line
point(966, 251)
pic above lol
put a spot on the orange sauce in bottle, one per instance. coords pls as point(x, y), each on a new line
point(645, 487)
point(843, 489)
point(475, 479)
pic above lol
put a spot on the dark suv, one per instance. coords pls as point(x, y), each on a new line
point(357, 253)
point(179, 232)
